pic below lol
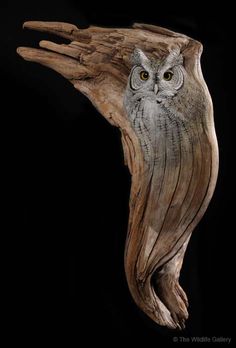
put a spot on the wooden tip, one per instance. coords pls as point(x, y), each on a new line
point(22, 51)
point(35, 54)
point(50, 26)
point(66, 30)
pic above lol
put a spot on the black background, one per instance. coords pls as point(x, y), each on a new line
point(70, 188)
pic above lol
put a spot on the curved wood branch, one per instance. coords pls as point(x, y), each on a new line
point(162, 215)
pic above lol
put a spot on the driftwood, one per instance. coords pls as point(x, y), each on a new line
point(97, 62)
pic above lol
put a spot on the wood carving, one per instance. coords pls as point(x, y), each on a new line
point(147, 81)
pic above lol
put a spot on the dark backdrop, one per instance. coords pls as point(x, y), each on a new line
point(70, 188)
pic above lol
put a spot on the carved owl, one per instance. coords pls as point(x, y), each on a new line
point(158, 100)
point(147, 81)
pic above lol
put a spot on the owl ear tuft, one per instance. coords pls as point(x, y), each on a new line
point(139, 58)
point(174, 58)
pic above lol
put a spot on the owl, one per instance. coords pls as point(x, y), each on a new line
point(155, 102)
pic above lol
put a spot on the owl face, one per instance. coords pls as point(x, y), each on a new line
point(156, 80)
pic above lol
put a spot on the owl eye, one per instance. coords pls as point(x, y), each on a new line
point(144, 75)
point(168, 75)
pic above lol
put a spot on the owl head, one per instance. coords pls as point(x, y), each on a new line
point(158, 80)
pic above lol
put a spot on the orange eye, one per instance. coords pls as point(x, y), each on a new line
point(168, 75)
point(144, 75)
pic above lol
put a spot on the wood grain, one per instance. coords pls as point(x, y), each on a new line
point(97, 62)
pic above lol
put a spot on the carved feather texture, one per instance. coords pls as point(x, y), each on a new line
point(170, 145)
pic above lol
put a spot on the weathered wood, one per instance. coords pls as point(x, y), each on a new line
point(97, 62)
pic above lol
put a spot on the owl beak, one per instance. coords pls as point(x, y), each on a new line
point(155, 88)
